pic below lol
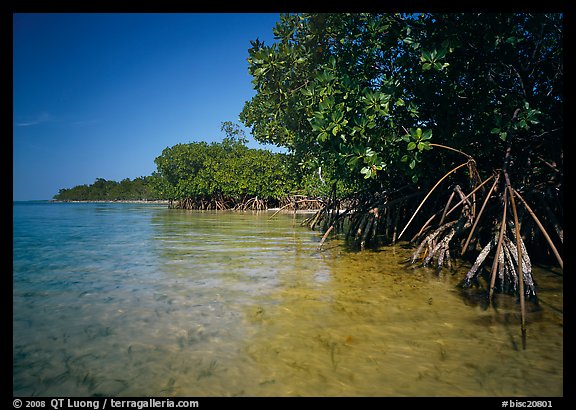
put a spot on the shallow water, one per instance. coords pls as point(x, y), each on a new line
point(139, 300)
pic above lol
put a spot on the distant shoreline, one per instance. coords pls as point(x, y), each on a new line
point(167, 202)
point(123, 201)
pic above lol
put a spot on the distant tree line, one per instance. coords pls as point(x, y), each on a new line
point(217, 175)
point(141, 188)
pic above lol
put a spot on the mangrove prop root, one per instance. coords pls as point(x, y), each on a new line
point(325, 236)
point(367, 230)
point(472, 273)
point(467, 209)
point(429, 241)
point(443, 246)
point(440, 247)
point(509, 270)
point(361, 226)
point(428, 195)
point(526, 264)
point(463, 200)
point(533, 215)
point(336, 221)
point(395, 225)
point(447, 207)
point(477, 218)
point(507, 261)
point(375, 223)
point(498, 248)
point(319, 214)
point(518, 240)
point(280, 209)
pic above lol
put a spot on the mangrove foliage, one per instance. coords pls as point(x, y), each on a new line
point(226, 175)
point(446, 130)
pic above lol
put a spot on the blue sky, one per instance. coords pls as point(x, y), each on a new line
point(101, 95)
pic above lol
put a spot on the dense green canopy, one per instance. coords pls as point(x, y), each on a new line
point(222, 175)
point(368, 93)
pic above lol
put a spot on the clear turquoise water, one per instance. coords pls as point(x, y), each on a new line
point(139, 300)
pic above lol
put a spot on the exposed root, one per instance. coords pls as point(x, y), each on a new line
point(507, 260)
point(430, 243)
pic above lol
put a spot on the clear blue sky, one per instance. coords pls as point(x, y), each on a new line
point(101, 95)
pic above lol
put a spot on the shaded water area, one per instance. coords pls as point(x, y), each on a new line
point(138, 300)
